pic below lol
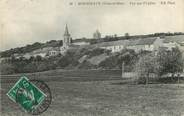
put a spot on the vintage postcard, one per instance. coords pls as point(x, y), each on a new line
point(92, 57)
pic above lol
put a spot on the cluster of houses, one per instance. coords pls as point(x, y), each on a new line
point(43, 52)
point(148, 44)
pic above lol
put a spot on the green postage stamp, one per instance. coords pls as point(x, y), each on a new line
point(26, 94)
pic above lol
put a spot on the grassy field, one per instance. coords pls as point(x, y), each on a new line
point(100, 93)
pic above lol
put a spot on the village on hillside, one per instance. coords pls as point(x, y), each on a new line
point(164, 52)
point(136, 44)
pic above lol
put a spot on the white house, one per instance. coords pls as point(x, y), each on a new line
point(27, 55)
point(55, 51)
point(114, 46)
point(42, 54)
point(81, 42)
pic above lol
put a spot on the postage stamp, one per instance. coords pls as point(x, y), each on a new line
point(33, 96)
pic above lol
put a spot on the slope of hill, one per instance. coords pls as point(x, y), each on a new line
point(30, 48)
point(57, 43)
point(97, 59)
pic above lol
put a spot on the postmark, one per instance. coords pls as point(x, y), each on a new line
point(33, 96)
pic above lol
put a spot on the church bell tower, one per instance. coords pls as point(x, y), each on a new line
point(67, 38)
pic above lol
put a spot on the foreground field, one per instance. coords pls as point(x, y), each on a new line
point(105, 97)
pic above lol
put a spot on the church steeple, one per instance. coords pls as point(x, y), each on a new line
point(67, 39)
point(66, 31)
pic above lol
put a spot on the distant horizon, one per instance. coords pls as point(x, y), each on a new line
point(88, 38)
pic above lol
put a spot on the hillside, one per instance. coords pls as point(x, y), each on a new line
point(30, 48)
point(57, 43)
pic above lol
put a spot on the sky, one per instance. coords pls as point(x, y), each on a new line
point(24, 22)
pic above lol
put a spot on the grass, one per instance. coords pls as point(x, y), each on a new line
point(105, 97)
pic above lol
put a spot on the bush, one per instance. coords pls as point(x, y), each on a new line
point(7, 68)
point(128, 57)
point(96, 52)
point(30, 67)
point(109, 63)
point(86, 65)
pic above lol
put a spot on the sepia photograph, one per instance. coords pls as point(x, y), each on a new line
point(92, 57)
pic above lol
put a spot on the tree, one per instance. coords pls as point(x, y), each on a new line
point(38, 58)
point(60, 43)
point(127, 35)
point(169, 61)
point(64, 61)
point(128, 57)
point(144, 67)
point(163, 62)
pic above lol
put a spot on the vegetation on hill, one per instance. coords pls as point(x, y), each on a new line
point(36, 64)
point(162, 63)
point(115, 61)
point(30, 48)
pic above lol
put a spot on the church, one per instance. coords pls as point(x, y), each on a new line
point(67, 42)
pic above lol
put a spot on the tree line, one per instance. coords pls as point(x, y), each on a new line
point(144, 63)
